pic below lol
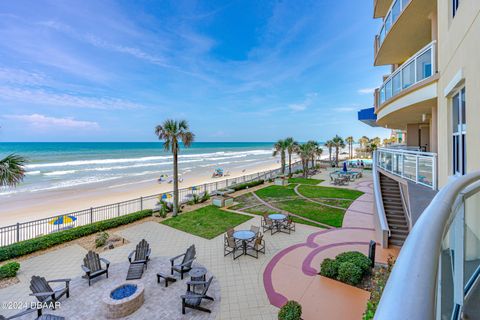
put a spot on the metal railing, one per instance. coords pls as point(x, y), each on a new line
point(381, 224)
point(420, 66)
point(437, 272)
point(416, 166)
point(31, 229)
point(396, 9)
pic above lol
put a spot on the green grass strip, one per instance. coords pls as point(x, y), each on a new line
point(304, 181)
point(314, 211)
point(207, 222)
point(328, 192)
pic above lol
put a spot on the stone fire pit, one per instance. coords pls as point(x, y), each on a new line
point(123, 300)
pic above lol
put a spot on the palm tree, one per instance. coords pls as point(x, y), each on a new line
point(172, 132)
point(291, 145)
point(363, 141)
point(315, 150)
point(12, 170)
point(338, 143)
point(350, 141)
point(329, 145)
point(280, 147)
point(304, 151)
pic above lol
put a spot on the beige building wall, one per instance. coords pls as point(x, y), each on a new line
point(459, 64)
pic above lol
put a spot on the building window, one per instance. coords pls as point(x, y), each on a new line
point(455, 4)
point(459, 127)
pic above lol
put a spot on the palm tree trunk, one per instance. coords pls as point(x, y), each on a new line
point(330, 154)
point(336, 155)
point(283, 161)
point(289, 164)
point(175, 179)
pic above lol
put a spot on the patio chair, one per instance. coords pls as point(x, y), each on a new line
point(267, 223)
point(258, 245)
point(44, 293)
point(230, 246)
point(255, 229)
point(93, 267)
point(289, 225)
point(230, 232)
point(186, 264)
point(192, 300)
point(39, 316)
point(141, 252)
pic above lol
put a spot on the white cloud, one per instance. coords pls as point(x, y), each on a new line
point(366, 90)
point(41, 96)
point(44, 122)
point(301, 106)
point(20, 77)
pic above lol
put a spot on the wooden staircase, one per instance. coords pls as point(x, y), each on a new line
point(394, 210)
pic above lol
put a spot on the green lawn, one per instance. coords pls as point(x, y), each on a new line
point(328, 192)
point(304, 181)
point(336, 202)
point(314, 211)
point(261, 210)
point(207, 222)
point(276, 192)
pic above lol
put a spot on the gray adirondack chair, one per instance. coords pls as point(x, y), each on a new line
point(42, 290)
point(186, 264)
point(192, 300)
point(93, 267)
point(39, 316)
point(141, 254)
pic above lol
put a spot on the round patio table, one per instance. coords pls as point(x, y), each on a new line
point(277, 218)
point(197, 274)
point(244, 236)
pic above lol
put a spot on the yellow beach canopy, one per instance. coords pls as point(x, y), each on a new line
point(62, 220)
point(166, 196)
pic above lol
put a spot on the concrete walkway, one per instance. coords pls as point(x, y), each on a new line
point(292, 274)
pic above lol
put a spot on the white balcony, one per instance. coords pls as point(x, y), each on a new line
point(394, 12)
point(416, 166)
point(418, 68)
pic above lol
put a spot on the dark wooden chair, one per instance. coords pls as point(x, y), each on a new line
point(258, 245)
point(42, 290)
point(39, 316)
point(93, 267)
point(141, 254)
point(186, 264)
point(191, 299)
point(289, 225)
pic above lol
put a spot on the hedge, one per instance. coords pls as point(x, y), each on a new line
point(357, 258)
point(292, 310)
point(350, 273)
point(348, 267)
point(9, 270)
point(329, 268)
point(43, 242)
point(247, 185)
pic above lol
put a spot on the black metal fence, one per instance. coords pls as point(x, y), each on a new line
point(31, 229)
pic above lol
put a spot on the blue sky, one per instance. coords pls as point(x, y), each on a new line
point(236, 70)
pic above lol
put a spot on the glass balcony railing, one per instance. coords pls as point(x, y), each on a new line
point(395, 10)
point(416, 166)
point(419, 67)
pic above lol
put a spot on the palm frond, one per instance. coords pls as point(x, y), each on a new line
point(12, 170)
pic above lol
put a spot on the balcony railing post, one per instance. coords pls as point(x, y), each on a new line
point(416, 169)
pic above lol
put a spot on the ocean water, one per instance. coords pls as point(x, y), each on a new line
point(53, 166)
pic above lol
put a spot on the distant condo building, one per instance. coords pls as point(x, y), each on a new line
point(427, 184)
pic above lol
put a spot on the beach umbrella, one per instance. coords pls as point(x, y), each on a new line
point(193, 188)
point(166, 196)
point(62, 220)
point(345, 167)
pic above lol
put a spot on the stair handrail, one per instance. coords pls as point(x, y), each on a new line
point(411, 290)
point(383, 231)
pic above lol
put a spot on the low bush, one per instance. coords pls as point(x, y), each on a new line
point(101, 239)
point(9, 270)
point(379, 280)
point(205, 197)
point(329, 268)
point(43, 242)
point(355, 257)
point(292, 310)
point(350, 273)
point(247, 185)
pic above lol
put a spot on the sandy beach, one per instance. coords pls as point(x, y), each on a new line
point(24, 207)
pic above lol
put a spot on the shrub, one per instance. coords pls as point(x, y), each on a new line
point(9, 270)
point(195, 199)
point(247, 185)
point(379, 280)
point(43, 242)
point(292, 310)
point(350, 273)
point(101, 239)
point(355, 257)
point(205, 197)
point(329, 268)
